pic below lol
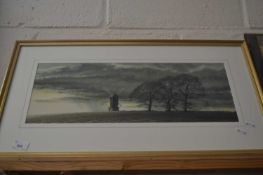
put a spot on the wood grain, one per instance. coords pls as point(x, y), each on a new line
point(131, 161)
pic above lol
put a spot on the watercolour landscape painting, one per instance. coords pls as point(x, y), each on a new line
point(130, 93)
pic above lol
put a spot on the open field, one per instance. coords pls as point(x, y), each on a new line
point(136, 117)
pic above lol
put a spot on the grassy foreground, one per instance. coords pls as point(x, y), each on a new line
point(135, 117)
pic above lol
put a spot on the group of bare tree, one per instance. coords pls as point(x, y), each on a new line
point(170, 92)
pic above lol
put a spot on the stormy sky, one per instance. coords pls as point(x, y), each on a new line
point(86, 87)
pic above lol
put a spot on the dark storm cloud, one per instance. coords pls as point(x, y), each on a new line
point(142, 71)
point(103, 79)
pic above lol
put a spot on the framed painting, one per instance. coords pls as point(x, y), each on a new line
point(255, 45)
point(130, 105)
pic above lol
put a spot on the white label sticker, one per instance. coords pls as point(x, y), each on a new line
point(21, 145)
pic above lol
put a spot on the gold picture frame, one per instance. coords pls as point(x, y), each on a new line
point(254, 43)
point(131, 160)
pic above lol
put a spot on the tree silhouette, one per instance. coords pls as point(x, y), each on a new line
point(189, 87)
point(167, 93)
point(146, 92)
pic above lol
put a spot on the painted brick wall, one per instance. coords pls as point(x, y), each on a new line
point(125, 19)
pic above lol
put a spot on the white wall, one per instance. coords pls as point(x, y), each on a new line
point(125, 19)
